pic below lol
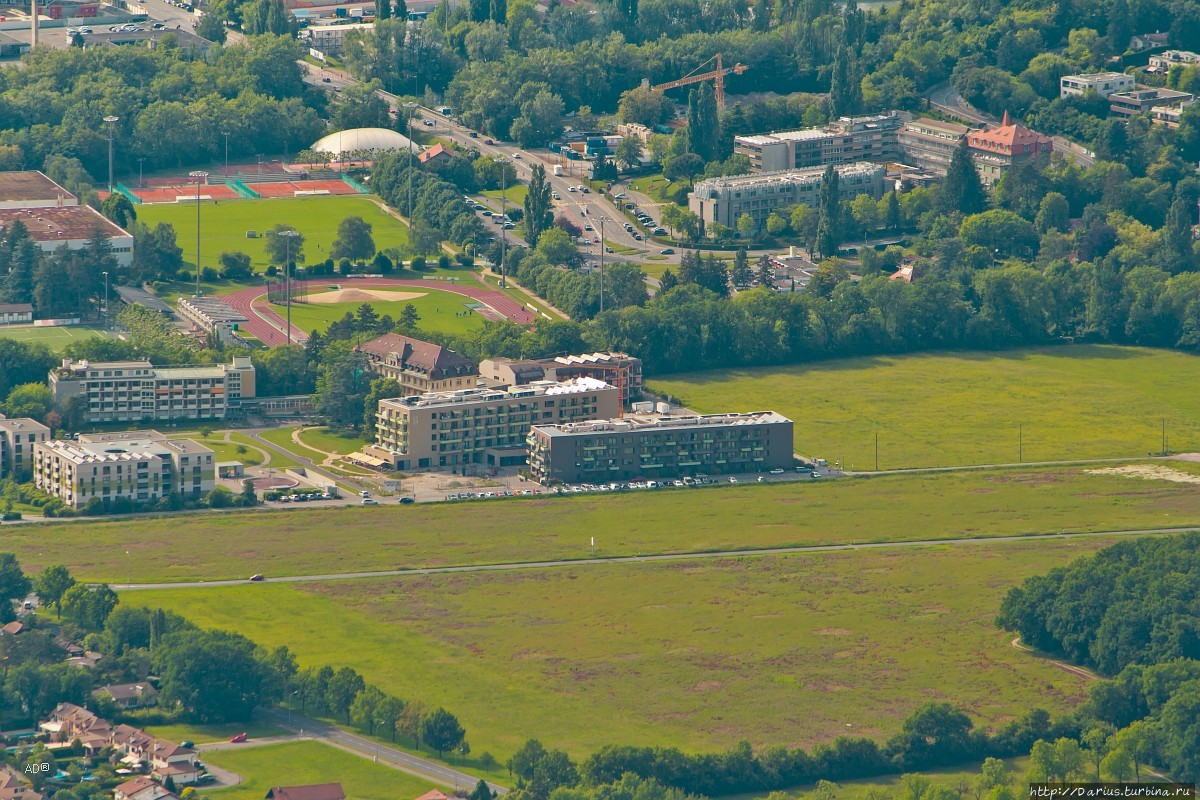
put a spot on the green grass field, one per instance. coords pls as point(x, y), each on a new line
point(223, 225)
point(202, 734)
point(438, 310)
point(331, 441)
point(275, 459)
point(1077, 402)
point(857, 790)
point(325, 540)
point(515, 195)
point(282, 437)
point(56, 338)
point(228, 451)
point(299, 763)
point(775, 650)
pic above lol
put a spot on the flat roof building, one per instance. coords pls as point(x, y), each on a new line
point(16, 313)
point(929, 144)
point(724, 200)
point(208, 313)
point(1162, 62)
point(1141, 101)
point(74, 226)
point(847, 141)
point(651, 447)
point(17, 438)
point(32, 189)
point(1102, 83)
point(331, 38)
point(136, 391)
point(419, 366)
point(620, 370)
point(136, 466)
point(150, 39)
point(481, 426)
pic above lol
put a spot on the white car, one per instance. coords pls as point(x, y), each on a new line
point(571, 189)
point(777, 471)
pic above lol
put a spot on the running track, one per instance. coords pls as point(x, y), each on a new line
point(267, 326)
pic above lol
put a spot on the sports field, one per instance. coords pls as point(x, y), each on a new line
point(56, 338)
point(439, 310)
point(300, 763)
point(949, 409)
point(775, 650)
point(224, 224)
point(316, 541)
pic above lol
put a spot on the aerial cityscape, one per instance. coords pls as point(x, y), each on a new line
point(599, 399)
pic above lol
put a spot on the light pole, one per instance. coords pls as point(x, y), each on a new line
point(105, 298)
point(140, 162)
point(603, 246)
point(226, 135)
point(199, 175)
point(287, 276)
point(503, 215)
point(110, 121)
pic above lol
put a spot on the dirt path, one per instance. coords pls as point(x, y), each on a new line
point(1080, 671)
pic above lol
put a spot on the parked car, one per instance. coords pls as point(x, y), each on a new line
point(666, 251)
point(258, 578)
point(777, 471)
point(326, 80)
point(241, 737)
point(488, 141)
point(407, 500)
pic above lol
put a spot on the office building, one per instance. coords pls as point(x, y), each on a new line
point(1102, 83)
point(929, 144)
point(994, 150)
point(847, 141)
point(651, 447)
point(17, 439)
point(331, 38)
point(724, 200)
point(1142, 101)
point(136, 391)
point(481, 426)
point(622, 371)
point(418, 366)
point(137, 466)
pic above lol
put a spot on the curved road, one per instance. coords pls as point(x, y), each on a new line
point(270, 328)
point(586, 562)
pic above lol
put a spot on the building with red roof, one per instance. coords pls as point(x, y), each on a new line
point(997, 149)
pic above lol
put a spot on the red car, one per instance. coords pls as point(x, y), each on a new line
point(241, 737)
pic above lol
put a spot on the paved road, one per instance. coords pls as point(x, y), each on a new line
point(381, 753)
point(594, 562)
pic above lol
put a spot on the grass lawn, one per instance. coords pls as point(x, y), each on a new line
point(325, 540)
point(305, 762)
point(332, 441)
point(1076, 402)
point(656, 186)
point(227, 451)
point(276, 460)
point(788, 650)
point(202, 734)
point(56, 338)
point(437, 309)
point(515, 193)
point(224, 224)
point(282, 437)
point(857, 790)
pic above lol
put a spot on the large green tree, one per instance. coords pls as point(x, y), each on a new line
point(539, 208)
point(962, 191)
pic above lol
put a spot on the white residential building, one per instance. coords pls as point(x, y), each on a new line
point(1102, 83)
point(17, 439)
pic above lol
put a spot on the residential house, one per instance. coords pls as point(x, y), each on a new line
point(439, 152)
point(313, 791)
point(129, 695)
point(141, 788)
point(170, 760)
point(17, 438)
point(1148, 41)
point(418, 366)
point(13, 787)
point(434, 794)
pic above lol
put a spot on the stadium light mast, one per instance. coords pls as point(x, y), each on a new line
point(199, 175)
point(287, 273)
point(110, 121)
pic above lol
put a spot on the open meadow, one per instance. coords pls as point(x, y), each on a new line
point(56, 338)
point(950, 409)
point(790, 650)
point(439, 310)
point(223, 225)
point(297, 763)
point(319, 541)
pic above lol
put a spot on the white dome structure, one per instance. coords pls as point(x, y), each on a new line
point(363, 139)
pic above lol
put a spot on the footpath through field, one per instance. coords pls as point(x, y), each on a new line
point(271, 329)
point(595, 562)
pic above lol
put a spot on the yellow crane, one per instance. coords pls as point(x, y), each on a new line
point(717, 76)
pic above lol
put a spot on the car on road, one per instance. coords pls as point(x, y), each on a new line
point(666, 251)
point(473, 135)
point(516, 155)
point(609, 250)
point(620, 196)
point(187, 743)
point(588, 228)
point(733, 480)
point(488, 141)
point(777, 471)
point(486, 213)
point(241, 737)
point(407, 500)
point(571, 189)
point(660, 231)
point(326, 80)
point(638, 236)
point(370, 502)
point(257, 578)
point(427, 123)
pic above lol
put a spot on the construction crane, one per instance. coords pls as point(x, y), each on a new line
point(717, 76)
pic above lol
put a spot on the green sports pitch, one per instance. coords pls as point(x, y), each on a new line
point(56, 338)
point(225, 225)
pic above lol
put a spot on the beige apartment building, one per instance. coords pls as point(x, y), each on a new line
point(17, 438)
point(137, 391)
point(482, 426)
point(140, 466)
point(419, 366)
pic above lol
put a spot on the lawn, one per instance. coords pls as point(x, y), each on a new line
point(439, 310)
point(228, 451)
point(943, 409)
point(515, 194)
point(202, 734)
point(658, 187)
point(857, 790)
point(325, 540)
point(305, 762)
point(282, 437)
point(56, 338)
point(224, 224)
point(331, 441)
point(790, 650)
point(276, 460)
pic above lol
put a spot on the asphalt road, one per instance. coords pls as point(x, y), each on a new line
point(593, 562)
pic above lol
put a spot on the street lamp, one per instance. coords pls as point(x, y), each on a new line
point(226, 135)
point(110, 121)
point(287, 276)
point(105, 298)
point(199, 175)
point(140, 162)
point(603, 246)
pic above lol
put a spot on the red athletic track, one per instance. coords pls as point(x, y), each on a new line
point(272, 333)
point(216, 191)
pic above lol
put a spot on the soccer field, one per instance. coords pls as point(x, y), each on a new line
point(224, 224)
point(55, 338)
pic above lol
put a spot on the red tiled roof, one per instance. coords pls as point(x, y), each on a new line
point(315, 791)
point(1009, 137)
point(431, 358)
point(434, 794)
point(433, 152)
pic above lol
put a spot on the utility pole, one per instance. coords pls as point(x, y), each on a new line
point(199, 175)
point(287, 273)
point(503, 214)
point(226, 135)
point(603, 245)
point(110, 121)
point(140, 162)
point(105, 273)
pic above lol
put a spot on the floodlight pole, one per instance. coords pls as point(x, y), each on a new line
point(287, 273)
point(110, 121)
point(603, 245)
point(199, 175)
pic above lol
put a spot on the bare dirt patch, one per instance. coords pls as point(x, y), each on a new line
point(1149, 472)
point(362, 296)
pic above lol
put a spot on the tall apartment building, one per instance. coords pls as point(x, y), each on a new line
point(622, 371)
point(135, 391)
point(139, 466)
point(929, 144)
point(660, 447)
point(724, 200)
point(847, 141)
point(17, 439)
point(481, 426)
point(1102, 83)
point(418, 366)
